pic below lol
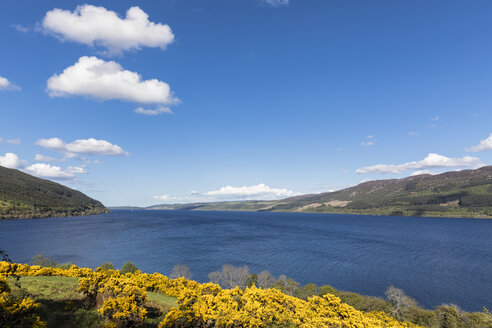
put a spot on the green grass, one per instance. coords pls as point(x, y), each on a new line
point(53, 288)
point(158, 305)
point(62, 306)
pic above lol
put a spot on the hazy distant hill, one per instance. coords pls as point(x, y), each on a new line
point(466, 193)
point(25, 196)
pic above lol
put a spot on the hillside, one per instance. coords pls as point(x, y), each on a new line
point(466, 193)
point(25, 196)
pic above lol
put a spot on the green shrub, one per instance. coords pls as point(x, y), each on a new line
point(128, 267)
point(43, 260)
point(66, 266)
point(108, 266)
point(449, 316)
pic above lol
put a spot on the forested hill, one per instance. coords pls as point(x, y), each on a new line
point(466, 193)
point(25, 196)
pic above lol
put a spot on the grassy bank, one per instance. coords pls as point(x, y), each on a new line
point(37, 296)
point(61, 305)
point(81, 297)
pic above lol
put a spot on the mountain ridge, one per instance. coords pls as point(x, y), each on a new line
point(465, 193)
point(25, 196)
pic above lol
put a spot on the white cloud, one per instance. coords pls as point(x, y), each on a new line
point(179, 199)
point(260, 191)
point(89, 146)
point(21, 28)
point(7, 85)
point(158, 111)
point(431, 161)
point(76, 169)
point(11, 141)
point(12, 161)
point(43, 170)
point(484, 145)
point(228, 193)
point(104, 80)
point(162, 197)
point(97, 26)
point(419, 172)
point(413, 133)
point(276, 3)
point(368, 142)
point(435, 118)
point(43, 158)
point(14, 141)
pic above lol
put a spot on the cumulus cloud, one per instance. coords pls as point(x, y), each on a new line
point(104, 80)
point(7, 85)
point(257, 192)
point(419, 172)
point(431, 161)
point(484, 145)
point(44, 158)
point(260, 191)
point(12, 161)
point(89, 146)
point(44, 170)
point(159, 110)
point(97, 26)
point(276, 3)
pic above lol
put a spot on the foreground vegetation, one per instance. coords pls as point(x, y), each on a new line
point(25, 196)
point(466, 194)
point(57, 296)
point(122, 301)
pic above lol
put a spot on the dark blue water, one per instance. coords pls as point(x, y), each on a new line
point(433, 260)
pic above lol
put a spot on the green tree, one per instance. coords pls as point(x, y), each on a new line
point(128, 267)
point(306, 291)
point(66, 266)
point(107, 266)
point(449, 316)
point(252, 280)
point(326, 289)
point(286, 285)
point(43, 260)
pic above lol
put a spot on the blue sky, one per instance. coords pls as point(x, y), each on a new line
point(251, 99)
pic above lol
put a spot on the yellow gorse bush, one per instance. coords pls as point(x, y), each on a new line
point(17, 312)
point(255, 307)
point(208, 305)
point(124, 310)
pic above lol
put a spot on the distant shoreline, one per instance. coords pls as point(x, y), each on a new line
point(428, 215)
